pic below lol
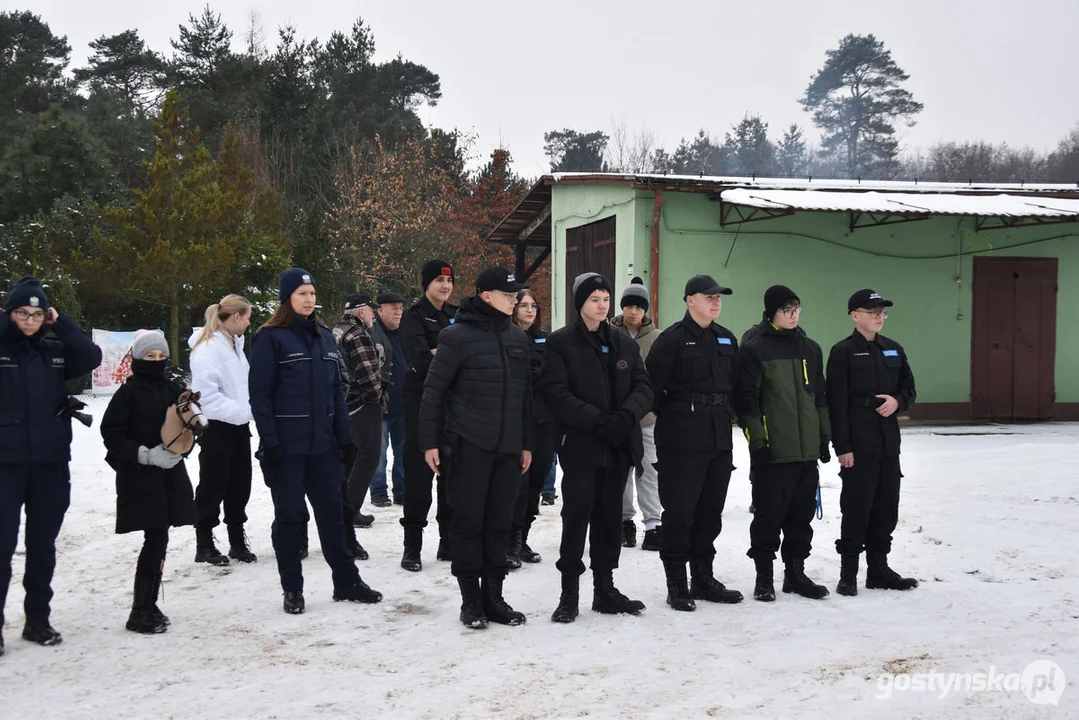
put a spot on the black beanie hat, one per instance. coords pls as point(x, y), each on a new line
point(432, 269)
point(776, 297)
point(290, 280)
point(635, 294)
point(585, 284)
point(26, 292)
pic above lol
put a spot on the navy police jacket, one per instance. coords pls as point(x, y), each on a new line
point(297, 397)
point(33, 373)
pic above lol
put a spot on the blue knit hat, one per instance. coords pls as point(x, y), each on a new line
point(291, 279)
point(27, 292)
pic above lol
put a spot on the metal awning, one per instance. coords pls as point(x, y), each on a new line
point(741, 205)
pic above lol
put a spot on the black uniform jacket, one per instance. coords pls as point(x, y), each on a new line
point(858, 371)
point(420, 326)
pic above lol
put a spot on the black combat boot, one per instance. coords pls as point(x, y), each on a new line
point(607, 599)
point(513, 551)
point(443, 551)
point(796, 581)
point(495, 606)
point(704, 585)
point(361, 520)
point(629, 534)
point(879, 576)
point(848, 575)
point(155, 589)
point(764, 589)
point(528, 555)
point(294, 604)
point(413, 546)
point(142, 619)
point(472, 614)
point(566, 612)
point(239, 550)
point(39, 630)
point(205, 549)
point(353, 544)
point(678, 596)
point(651, 540)
point(357, 592)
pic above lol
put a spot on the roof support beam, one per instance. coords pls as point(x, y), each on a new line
point(534, 223)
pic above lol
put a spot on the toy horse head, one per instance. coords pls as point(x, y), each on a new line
point(183, 424)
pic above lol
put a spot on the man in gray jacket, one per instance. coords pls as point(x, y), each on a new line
point(634, 321)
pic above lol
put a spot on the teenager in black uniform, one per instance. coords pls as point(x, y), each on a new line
point(594, 382)
point(476, 429)
point(693, 365)
point(869, 385)
point(419, 331)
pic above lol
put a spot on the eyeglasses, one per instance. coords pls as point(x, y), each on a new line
point(791, 311)
point(507, 295)
point(528, 306)
point(31, 316)
point(883, 314)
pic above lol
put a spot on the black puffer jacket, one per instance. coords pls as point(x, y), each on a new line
point(147, 497)
point(480, 376)
point(537, 346)
point(583, 385)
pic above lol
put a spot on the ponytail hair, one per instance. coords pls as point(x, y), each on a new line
point(217, 313)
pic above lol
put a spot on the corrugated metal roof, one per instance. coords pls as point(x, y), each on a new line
point(897, 203)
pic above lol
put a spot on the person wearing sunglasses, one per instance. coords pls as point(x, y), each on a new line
point(781, 404)
point(40, 350)
point(869, 385)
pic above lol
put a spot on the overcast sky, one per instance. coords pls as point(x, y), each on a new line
point(994, 70)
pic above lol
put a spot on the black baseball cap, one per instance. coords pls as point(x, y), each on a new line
point(356, 300)
point(389, 298)
point(497, 278)
point(704, 284)
point(867, 299)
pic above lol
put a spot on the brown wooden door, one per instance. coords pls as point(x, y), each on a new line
point(1013, 347)
point(589, 248)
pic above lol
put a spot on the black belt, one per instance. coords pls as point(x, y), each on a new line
point(698, 398)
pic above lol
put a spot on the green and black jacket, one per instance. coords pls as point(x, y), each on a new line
point(780, 395)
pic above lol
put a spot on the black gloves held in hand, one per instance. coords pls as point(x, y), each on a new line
point(616, 428)
point(348, 455)
point(272, 457)
point(759, 457)
point(825, 453)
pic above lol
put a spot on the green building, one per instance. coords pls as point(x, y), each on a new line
point(982, 275)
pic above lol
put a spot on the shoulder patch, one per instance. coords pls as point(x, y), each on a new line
point(622, 364)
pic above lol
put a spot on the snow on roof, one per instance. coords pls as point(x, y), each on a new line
point(899, 203)
point(817, 183)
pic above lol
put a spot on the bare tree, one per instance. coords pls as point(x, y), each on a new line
point(636, 153)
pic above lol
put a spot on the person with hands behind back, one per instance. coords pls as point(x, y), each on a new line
point(869, 384)
point(480, 382)
point(781, 404)
point(298, 402)
point(594, 382)
point(153, 491)
point(35, 442)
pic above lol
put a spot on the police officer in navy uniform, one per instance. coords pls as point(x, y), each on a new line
point(869, 385)
point(693, 365)
point(35, 441)
point(419, 331)
point(298, 401)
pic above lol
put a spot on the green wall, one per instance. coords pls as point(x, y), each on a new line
point(925, 267)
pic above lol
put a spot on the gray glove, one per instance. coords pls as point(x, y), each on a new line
point(159, 456)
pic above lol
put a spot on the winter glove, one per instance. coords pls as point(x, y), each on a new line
point(759, 457)
point(348, 455)
point(616, 427)
point(272, 456)
point(159, 456)
point(825, 453)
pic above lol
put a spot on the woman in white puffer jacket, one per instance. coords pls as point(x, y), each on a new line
point(219, 371)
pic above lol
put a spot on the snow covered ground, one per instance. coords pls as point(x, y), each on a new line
point(990, 526)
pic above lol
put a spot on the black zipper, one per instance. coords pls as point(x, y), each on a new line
point(797, 394)
point(505, 387)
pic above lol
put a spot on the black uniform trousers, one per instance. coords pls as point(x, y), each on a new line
point(367, 434)
point(481, 489)
point(45, 490)
point(531, 485)
point(692, 490)
point(224, 474)
point(319, 478)
point(869, 503)
point(152, 556)
point(592, 506)
point(419, 478)
point(785, 500)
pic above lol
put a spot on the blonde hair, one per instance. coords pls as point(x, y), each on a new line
point(217, 313)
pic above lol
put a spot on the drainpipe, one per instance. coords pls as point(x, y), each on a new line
point(657, 213)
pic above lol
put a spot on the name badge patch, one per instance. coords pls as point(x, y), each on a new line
point(891, 353)
point(606, 349)
point(540, 340)
point(453, 320)
point(723, 341)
